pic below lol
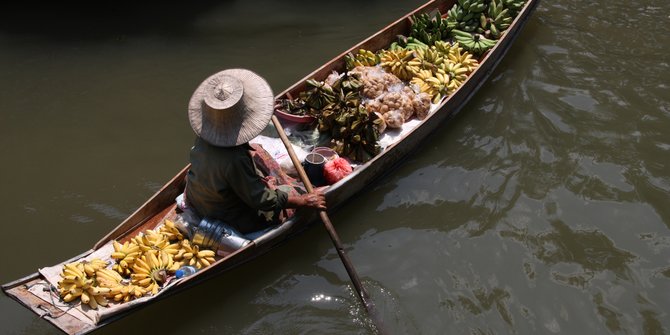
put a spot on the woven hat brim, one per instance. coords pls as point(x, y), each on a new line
point(240, 123)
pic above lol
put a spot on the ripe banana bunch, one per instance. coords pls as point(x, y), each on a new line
point(443, 47)
point(459, 56)
point(420, 82)
point(75, 283)
point(396, 63)
point(170, 231)
point(152, 241)
point(94, 296)
point(361, 58)
point(457, 73)
point(125, 255)
point(430, 56)
point(152, 269)
point(434, 84)
point(108, 278)
point(119, 288)
point(126, 292)
point(90, 267)
point(191, 254)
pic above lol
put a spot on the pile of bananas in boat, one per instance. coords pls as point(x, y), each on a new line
point(434, 60)
point(437, 69)
point(138, 267)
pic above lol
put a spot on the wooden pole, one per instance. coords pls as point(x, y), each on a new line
point(360, 290)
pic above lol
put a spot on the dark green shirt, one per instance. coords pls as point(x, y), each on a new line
point(224, 184)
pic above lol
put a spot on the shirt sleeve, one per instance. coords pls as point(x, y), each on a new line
point(248, 185)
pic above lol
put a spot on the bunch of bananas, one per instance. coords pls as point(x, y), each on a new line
point(190, 254)
point(153, 241)
point(457, 73)
point(125, 255)
point(170, 231)
point(410, 43)
point(473, 6)
point(473, 42)
point(120, 289)
point(429, 28)
point(90, 267)
point(396, 62)
point(433, 83)
point(141, 266)
point(460, 56)
point(355, 133)
point(361, 58)
point(459, 18)
point(428, 58)
point(77, 283)
point(152, 270)
point(496, 20)
point(444, 47)
point(514, 6)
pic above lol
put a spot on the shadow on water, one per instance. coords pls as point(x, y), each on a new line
point(592, 250)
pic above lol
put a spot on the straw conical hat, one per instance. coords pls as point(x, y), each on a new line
point(231, 107)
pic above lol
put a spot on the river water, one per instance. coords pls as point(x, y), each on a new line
point(541, 208)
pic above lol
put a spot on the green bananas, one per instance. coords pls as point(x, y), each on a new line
point(429, 28)
point(473, 6)
point(473, 42)
point(514, 6)
point(496, 20)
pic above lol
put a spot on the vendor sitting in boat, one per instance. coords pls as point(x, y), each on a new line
point(231, 180)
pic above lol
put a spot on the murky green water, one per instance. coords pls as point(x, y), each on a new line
point(541, 208)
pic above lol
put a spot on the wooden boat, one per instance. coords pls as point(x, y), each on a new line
point(161, 206)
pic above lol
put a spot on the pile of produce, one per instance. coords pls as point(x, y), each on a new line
point(383, 89)
point(140, 266)
point(477, 24)
point(389, 98)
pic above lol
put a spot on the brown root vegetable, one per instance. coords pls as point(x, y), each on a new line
point(422, 105)
point(394, 119)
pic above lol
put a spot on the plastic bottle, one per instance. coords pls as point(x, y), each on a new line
point(185, 271)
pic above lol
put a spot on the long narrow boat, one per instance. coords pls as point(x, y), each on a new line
point(33, 291)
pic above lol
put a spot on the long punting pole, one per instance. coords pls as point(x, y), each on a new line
point(362, 294)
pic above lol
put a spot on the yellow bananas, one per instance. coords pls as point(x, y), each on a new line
point(120, 289)
point(125, 255)
point(141, 266)
point(170, 231)
point(76, 283)
point(192, 255)
point(396, 63)
point(152, 270)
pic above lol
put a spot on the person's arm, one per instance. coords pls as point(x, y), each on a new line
point(315, 199)
point(253, 191)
